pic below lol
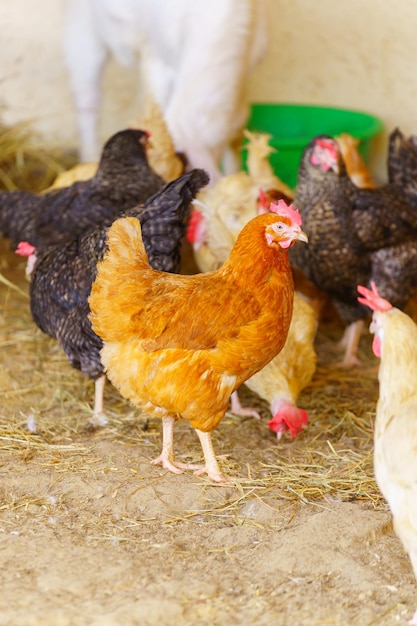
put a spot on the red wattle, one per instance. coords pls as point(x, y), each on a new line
point(376, 346)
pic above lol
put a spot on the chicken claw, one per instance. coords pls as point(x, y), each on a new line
point(216, 477)
point(167, 460)
point(173, 466)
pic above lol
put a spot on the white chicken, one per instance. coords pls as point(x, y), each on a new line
point(395, 450)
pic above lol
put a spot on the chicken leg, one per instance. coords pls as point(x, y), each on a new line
point(237, 409)
point(99, 417)
point(166, 458)
point(350, 341)
point(211, 467)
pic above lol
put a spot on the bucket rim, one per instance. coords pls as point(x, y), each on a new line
point(374, 127)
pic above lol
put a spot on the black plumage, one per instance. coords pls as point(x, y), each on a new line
point(332, 260)
point(355, 236)
point(61, 281)
point(123, 180)
point(394, 271)
point(383, 216)
point(402, 164)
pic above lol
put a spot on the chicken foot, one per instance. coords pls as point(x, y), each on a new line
point(166, 458)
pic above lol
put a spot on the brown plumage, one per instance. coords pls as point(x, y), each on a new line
point(283, 378)
point(179, 346)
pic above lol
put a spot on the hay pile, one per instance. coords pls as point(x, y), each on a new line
point(46, 408)
point(25, 164)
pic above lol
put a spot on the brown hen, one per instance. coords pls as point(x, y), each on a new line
point(179, 346)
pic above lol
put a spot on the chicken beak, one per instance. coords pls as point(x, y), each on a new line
point(284, 235)
point(298, 235)
point(301, 236)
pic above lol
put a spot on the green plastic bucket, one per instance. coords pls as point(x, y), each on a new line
point(293, 125)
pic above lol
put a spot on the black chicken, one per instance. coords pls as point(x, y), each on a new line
point(333, 259)
point(355, 235)
point(123, 180)
point(61, 281)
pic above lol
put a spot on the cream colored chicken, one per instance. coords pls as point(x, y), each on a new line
point(79, 172)
point(258, 164)
point(355, 164)
point(161, 155)
point(395, 450)
point(281, 381)
point(211, 240)
point(234, 198)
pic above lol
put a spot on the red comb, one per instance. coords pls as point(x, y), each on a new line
point(281, 208)
point(328, 144)
point(372, 299)
point(288, 417)
point(25, 249)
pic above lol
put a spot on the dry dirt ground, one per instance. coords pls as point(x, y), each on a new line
point(92, 534)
